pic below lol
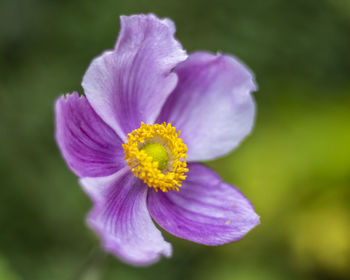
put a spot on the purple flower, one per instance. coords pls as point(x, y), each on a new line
point(123, 141)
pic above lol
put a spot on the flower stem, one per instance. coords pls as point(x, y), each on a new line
point(90, 269)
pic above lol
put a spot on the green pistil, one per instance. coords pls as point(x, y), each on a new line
point(158, 153)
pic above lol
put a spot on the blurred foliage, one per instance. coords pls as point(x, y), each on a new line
point(295, 167)
point(5, 271)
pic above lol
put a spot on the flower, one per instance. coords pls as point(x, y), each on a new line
point(123, 141)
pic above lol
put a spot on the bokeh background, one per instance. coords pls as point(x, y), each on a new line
point(294, 167)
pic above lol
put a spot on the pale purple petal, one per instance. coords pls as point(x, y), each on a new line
point(206, 210)
point(211, 105)
point(121, 218)
point(131, 83)
point(89, 146)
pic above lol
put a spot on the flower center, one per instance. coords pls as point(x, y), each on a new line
point(156, 155)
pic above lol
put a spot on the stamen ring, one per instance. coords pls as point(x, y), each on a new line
point(143, 166)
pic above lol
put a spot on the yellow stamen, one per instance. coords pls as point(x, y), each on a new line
point(157, 155)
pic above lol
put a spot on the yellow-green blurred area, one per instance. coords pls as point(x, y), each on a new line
point(294, 167)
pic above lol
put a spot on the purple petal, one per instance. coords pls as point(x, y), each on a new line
point(211, 105)
point(121, 218)
point(131, 83)
point(89, 146)
point(205, 210)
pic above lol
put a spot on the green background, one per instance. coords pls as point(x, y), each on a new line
point(294, 167)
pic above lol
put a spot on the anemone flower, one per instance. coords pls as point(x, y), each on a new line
point(122, 139)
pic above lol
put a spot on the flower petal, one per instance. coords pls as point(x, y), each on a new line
point(131, 83)
point(89, 146)
point(211, 105)
point(205, 210)
point(121, 218)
